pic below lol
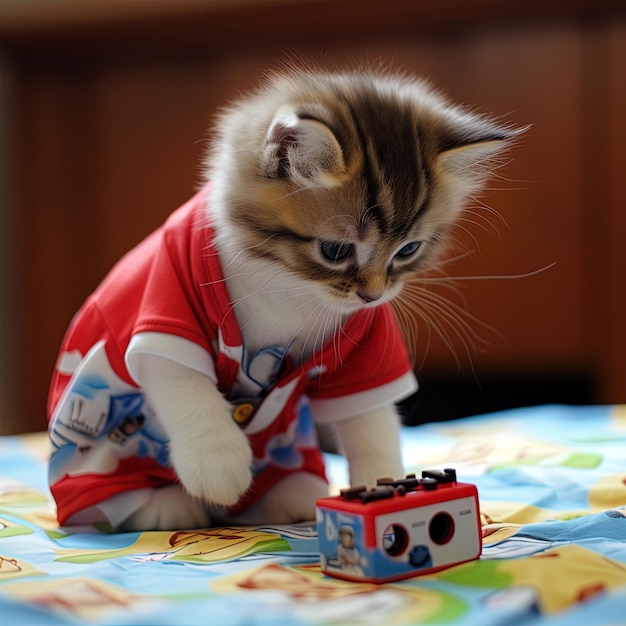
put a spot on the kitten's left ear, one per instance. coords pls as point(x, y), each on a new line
point(303, 148)
point(471, 157)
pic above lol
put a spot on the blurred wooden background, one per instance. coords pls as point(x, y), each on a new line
point(104, 112)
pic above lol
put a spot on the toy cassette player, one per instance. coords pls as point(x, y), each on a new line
point(401, 528)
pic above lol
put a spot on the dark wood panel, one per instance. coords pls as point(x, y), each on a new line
point(613, 372)
point(52, 256)
point(197, 20)
point(108, 145)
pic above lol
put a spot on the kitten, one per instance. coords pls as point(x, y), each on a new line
point(188, 385)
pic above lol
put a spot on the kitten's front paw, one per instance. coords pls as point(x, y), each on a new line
point(367, 472)
point(215, 468)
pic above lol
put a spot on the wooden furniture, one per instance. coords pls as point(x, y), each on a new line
point(107, 106)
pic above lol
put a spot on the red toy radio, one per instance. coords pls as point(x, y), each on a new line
point(401, 528)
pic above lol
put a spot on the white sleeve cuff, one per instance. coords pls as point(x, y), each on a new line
point(333, 409)
point(172, 347)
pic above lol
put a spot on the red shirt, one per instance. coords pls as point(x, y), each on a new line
point(168, 297)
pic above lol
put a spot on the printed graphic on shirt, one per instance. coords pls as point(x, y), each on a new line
point(101, 419)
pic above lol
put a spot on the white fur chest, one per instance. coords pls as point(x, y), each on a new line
point(276, 308)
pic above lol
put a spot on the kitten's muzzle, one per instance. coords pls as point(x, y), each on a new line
point(368, 297)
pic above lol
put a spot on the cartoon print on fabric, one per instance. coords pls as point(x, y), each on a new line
point(101, 419)
point(258, 398)
point(307, 595)
point(515, 540)
point(86, 599)
point(211, 545)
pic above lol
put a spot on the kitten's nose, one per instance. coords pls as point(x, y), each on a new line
point(368, 297)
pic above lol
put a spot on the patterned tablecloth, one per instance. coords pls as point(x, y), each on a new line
point(552, 486)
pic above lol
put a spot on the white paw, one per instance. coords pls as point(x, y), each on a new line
point(289, 501)
point(368, 471)
point(168, 508)
point(214, 467)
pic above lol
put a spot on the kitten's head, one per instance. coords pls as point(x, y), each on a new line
point(348, 181)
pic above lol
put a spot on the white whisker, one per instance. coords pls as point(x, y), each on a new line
point(491, 276)
point(442, 316)
point(293, 293)
point(244, 251)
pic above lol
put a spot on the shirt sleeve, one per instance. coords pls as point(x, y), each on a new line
point(173, 321)
point(333, 409)
point(372, 370)
point(160, 344)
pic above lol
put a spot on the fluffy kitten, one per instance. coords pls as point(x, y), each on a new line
point(327, 192)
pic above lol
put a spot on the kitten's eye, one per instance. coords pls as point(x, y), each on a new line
point(408, 250)
point(336, 251)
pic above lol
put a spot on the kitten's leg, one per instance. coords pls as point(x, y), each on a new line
point(289, 501)
point(371, 444)
point(209, 452)
point(161, 508)
point(168, 508)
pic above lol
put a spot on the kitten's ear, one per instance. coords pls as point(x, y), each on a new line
point(469, 159)
point(303, 148)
